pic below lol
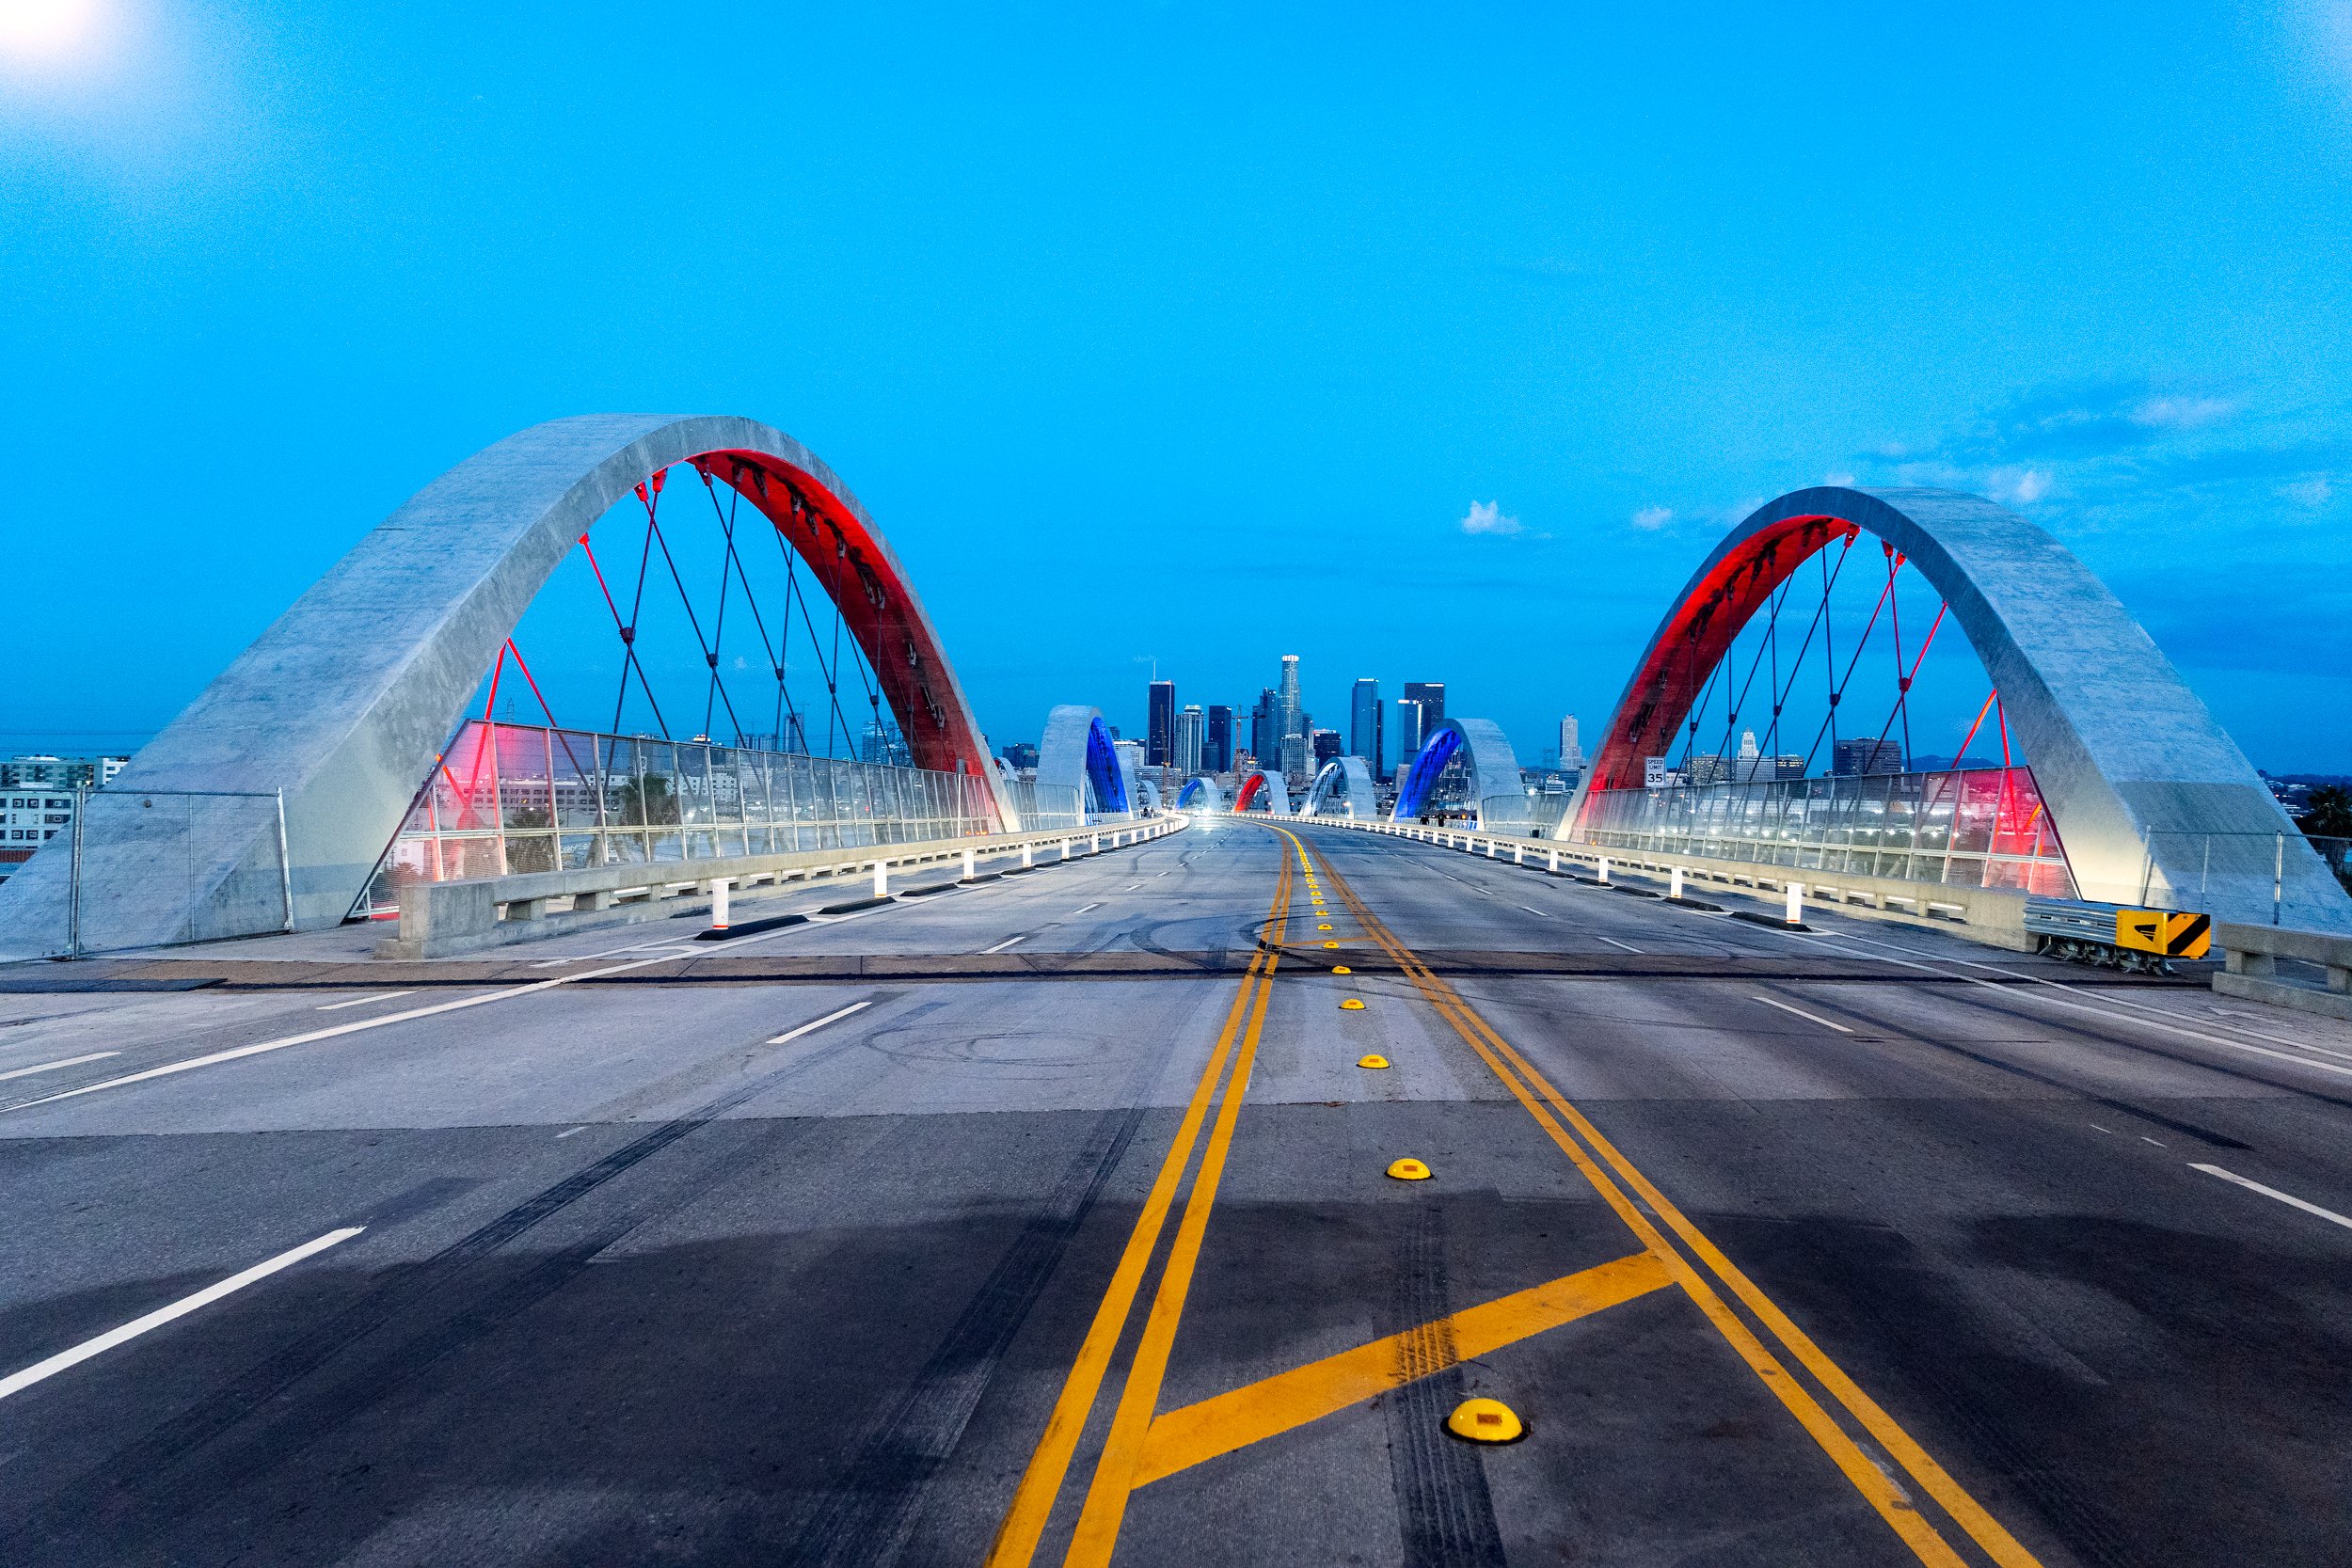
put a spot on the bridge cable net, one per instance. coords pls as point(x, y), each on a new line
point(681, 690)
point(1814, 709)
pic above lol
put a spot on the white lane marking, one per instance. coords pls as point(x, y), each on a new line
point(2108, 1130)
point(63, 1061)
point(1537, 914)
point(1079, 911)
point(1131, 887)
point(2135, 1015)
point(569, 1131)
point(363, 1001)
point(2287, 1198)
point(1802, 1013)
point(829, 1017)
point(18, 1381)
point(2146, 1139)
point(1006, 943)
point(1615, 942)
point(310, 1036)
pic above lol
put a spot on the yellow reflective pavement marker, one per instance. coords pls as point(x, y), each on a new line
point(1376, 1060)
point(1408, 1169)
point(1353, 1005)
point(1486, 1421)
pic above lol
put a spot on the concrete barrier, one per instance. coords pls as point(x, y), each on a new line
point(440, 919)
point(2252, 955)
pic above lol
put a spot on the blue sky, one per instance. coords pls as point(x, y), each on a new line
point(1241, 312)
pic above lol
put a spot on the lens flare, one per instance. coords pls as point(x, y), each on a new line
point(34, 28)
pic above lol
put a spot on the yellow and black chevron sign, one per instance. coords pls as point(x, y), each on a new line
point(2172, 932)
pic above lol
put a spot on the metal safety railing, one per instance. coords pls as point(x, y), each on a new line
point(508, 800)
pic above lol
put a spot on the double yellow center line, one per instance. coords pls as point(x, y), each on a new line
point(1106, 1507)
point(1544, 1103)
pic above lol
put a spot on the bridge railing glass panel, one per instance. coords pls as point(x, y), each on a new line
point(1976, 827)
point(508, 799)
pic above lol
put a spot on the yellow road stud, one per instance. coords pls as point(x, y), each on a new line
point(1374, 1060)
point(1323, 926)
point(1342, 968)
point(1352, 1005)
point(1330, 945)
point(1410, 1170)
point(1486, 1421)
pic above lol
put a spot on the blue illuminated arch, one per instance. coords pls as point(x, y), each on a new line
point(1076, 752)
point(1495, 787)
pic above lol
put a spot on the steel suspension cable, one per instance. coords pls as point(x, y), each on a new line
point(1731, 716)
point(759, 621)
point(710, 657)
point(1796, 668)
point(629, 645)
point(1837, 692)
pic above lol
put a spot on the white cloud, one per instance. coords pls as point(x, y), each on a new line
point(2180, 413)
point(2017, 486)
point(1486, 517)
point(1651, 519)
point(1740, 512)
point(1844, 482)
point(2314, 491)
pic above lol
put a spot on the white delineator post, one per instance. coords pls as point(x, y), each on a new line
point(1065, 848)
point(1026, 858)
point(1673, 883)
point(1604, 868)
point(1518, 854)
point(881, 878)
point(1555, 861)
point(971, 866)
point(719, 904)
point(1796, 903)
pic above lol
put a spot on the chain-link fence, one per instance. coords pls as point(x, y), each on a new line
point(2279, 862)
point(144, 867)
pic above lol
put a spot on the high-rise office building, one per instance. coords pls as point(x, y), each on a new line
point(1408, 733)
point(1287, 694)
point(1572, 755)
point(1160, 735)
point(1190, 724)
point(1294, 757)
point(1326, 746)
point(1216, 741)
point(1867, 757)
point(1431, 696)
point(1265, 727)
point(1364, 724)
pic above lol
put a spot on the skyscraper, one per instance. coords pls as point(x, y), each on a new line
point(1287, 694)
point(1189, 726)
point(1216, 741)
point(1408, 732)
point(1850, 757)
point(1364, 724)
point(1265, 727)
point(1160, 736)
point(1572, 755)
point(1431, 696)
point(1325, 746)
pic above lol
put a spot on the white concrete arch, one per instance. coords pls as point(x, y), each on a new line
point(1343, 787)
point(2150, 798)
point(343, 701)
point(1495, 782)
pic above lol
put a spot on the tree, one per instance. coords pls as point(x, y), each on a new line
point(2328, 820)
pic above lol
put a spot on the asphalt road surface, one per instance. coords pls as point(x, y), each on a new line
point(1047, 1220)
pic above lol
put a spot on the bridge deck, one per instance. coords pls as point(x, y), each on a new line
point(1863, 1246)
